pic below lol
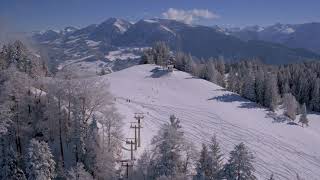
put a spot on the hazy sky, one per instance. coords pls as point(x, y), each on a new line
point(26, 15)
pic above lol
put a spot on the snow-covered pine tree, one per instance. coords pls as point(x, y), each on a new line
point(305, 87)
point(17, 97)
point(233, 81)
point(303, 118)
point(248, 89)
point(57, 124)
point(283, 81)
point(220, 65)
point(188, 63)
point(5, 117)
point(159, 60)
point(6, 114)
point(204, 164)
point(111, 123)
point(168, 146)
point(77, 134)
point(106, 165)
point(60, 170)
point(210, 72)
point(259, 86)
point(315, 96)
point(271, 95)
point(240, 165)
point(9, 168)
point(143, 166)
point(100, 162)
point(89, 96)
point(161, 53)
point(184, 62)
point(39, 161)
point(216, 159)
point(79, 173)
point(290, 105)
point(178, 63)
point(92, 143)
point(147, 57)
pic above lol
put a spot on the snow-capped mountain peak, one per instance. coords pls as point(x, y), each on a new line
point(254, 28)
point(150, 21)
point(69, 29)
point(288, 30)
point(121, 25)
point(281, 28)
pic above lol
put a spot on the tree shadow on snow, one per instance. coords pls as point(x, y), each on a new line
point(293, 123)
point(221, 89)
point(193, 77)
point(249, 105)
point(276, 118)
point(314, 113)
point(158, 72)
point(236, 98)
point(228, 98)
point(280, 119)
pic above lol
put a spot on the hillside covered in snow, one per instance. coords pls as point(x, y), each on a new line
point(206, 109)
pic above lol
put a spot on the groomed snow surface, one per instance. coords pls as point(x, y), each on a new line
point(206, 109)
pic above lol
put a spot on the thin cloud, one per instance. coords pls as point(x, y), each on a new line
point(189, 16)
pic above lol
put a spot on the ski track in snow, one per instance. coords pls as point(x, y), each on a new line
point(195, 133)
point(273, 154)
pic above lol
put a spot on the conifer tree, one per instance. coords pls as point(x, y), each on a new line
point(40, 163)
point(216, 158)
point(91, 145)
point(248, 87)
point(168, 146)
point(303, 118)
point(188, 64)
point(290, 105)
point(239, 166)
point(210, 73)
point(220, 64)
point(79, 173)
point(5, 116)
point(232, 81)
point(143, 166)
point(271, 95)
point(259, 87)
point(9, 168)
point(315, 96)
point(204, 164)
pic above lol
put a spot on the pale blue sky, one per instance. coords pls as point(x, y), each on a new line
point(42, 14)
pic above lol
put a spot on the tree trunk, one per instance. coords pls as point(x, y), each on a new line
point(103, 138)
point(109, 137)
point(18, 139)
point(77, 154)
point(60, 133)
point(238, 172)
point(69, 111)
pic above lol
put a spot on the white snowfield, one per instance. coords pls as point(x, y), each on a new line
point(121, 54)
point(206, 109)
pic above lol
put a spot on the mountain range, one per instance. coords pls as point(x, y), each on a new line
point(278, 44)
point(291, 35)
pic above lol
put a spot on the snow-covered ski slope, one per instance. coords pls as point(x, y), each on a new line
point(206, 109)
